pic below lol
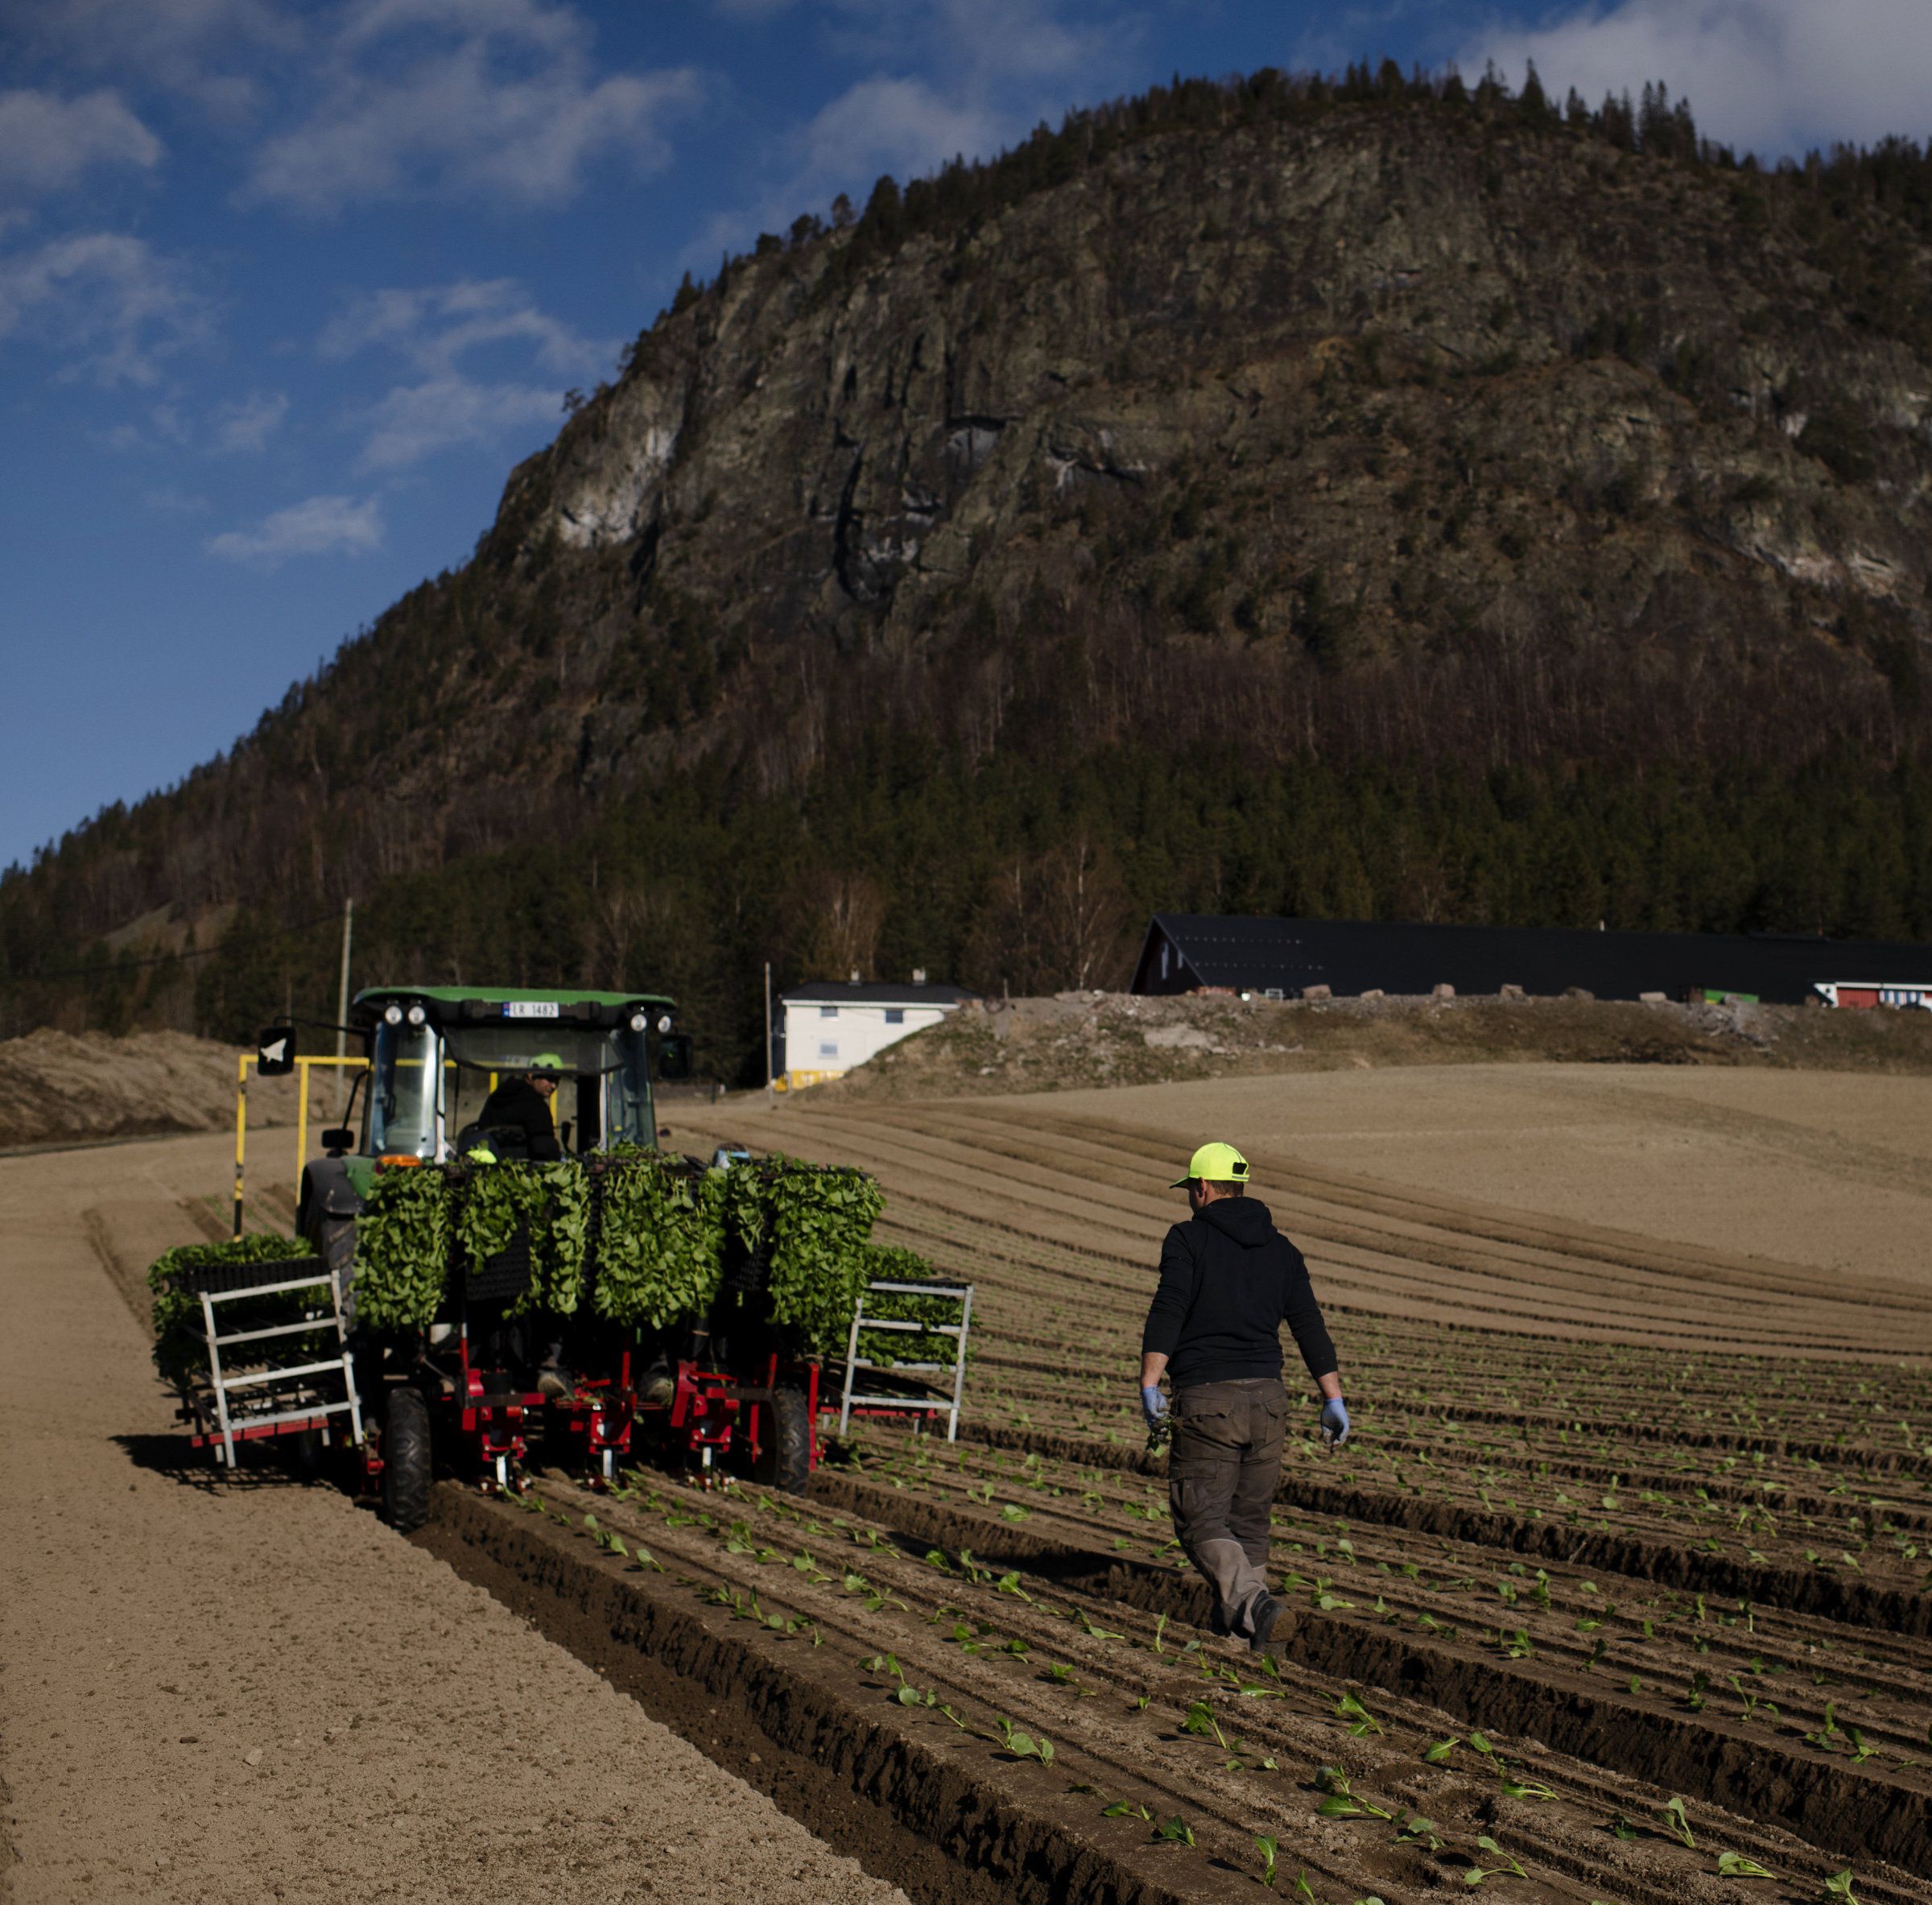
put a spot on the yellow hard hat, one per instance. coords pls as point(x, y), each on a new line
point(1216, 1164)
point(546, 1061)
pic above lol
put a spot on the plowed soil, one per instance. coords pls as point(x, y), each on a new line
point(1623, 1578)
point(252, 1690)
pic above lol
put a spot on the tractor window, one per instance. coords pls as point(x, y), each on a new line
point(603, 1095)
point(627, 1095)
point(403, 1105)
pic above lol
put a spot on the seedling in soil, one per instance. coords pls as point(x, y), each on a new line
point(1175, 1831)
point(1126, 1809)
point(1840, 1887)
point(1734, 1865)
point(1267, 1847)
point(1526, 1789)
point(1096, 1632)
point(1438, 1753)
point(1415, 1830)
point(1023, 1746)
point(1349, 1708)
point(1160, 1628)
point(1343, 1801)
point(1476, 1874)
point(885, 1663)
point(1201, 1723)
point(1680, 1827)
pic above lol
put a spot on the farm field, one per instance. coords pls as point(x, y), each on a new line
point(1621, 1590)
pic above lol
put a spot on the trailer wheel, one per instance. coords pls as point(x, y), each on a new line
point(406, 1461)
point(785, 1461)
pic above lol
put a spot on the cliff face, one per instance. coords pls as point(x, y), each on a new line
point(1400, 429)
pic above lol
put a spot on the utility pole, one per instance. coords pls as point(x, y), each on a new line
point(348, 928)
point(769, 1098)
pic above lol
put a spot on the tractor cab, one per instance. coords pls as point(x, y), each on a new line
point(437, 1053)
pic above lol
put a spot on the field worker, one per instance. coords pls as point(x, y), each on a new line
point(522, 1101)
point(1228, 1278)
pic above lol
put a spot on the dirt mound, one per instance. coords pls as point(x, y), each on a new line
point(62, 1087)
point(1076, 1040)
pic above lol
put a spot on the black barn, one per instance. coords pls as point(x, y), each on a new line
point(1281, 958)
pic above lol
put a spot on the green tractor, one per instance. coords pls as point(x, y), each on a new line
point(437, 1052)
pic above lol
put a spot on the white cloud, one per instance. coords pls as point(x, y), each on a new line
point(416, 421)
point(209, 51)
point(245, 425)
point(495, 99)
point(434, 325)
point(1772, 76)
point(896, 125)
point(47, 143)
point(322, 526)
point(109, 302)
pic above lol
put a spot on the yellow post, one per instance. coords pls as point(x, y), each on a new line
point(242, 1062)
point(302, 1066)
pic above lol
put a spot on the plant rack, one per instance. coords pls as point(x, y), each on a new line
point(867, 1401)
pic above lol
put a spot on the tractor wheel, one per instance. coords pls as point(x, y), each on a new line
point(406, 1461)
point(785, 1461)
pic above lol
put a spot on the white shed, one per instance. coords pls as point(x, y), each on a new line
point(828, 1027)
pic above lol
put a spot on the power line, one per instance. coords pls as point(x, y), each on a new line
point(123, 965)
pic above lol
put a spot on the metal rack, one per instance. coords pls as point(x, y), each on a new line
point(253, 1396)
point(869, 1402)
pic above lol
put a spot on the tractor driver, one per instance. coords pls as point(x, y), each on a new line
point(522, 1102)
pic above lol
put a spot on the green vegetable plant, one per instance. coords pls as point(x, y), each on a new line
point(181, 1356)
point(1269, 1847)
point(1734, 1865)
point(1476, 1874)
point(1342, 1801)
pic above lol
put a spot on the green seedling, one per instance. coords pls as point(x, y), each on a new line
point(1839, 1887)
point(1526, 1789)
point(1349, 1708)
point(1268, 1848)
point(1476, 1874)
point(1160, 1629)
point(1126, 1809)
point(1175, 1831)
point(1342, 1801)
point(1023, 1746)
point(1096, 1632)
point(1734, 1865)
point(1415, 1830)
point(1680, 1827)
point(1438, 1753)
point(885, 1663)
point(1201, 1723)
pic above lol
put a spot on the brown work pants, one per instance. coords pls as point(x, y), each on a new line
point(1223, 1469)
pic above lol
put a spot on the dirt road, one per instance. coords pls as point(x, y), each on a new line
point(253, 1690)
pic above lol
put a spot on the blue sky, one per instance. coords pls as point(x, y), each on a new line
point(286, 288)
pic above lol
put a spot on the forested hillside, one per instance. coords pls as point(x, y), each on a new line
point(1370, 497)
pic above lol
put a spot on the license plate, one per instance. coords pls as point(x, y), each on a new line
point(530, 1009)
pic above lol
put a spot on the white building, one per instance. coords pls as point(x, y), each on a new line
point(827, 1027)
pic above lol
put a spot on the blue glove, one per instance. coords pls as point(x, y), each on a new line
point(1153, 1405)
point(1334, 1419)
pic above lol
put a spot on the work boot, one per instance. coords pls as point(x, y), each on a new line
point(1267, 1611)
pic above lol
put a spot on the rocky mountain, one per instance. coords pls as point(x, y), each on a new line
point(1328, 497)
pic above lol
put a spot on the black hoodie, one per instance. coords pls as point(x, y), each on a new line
point(1229, 1281)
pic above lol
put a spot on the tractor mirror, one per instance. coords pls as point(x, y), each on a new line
point(337, 1138)
point(275, 1051)
point(674, 1058)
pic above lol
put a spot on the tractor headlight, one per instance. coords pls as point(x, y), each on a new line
point(664, 1022)
point(639, 1022)
point(417, 1015)
point(392, 1014)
